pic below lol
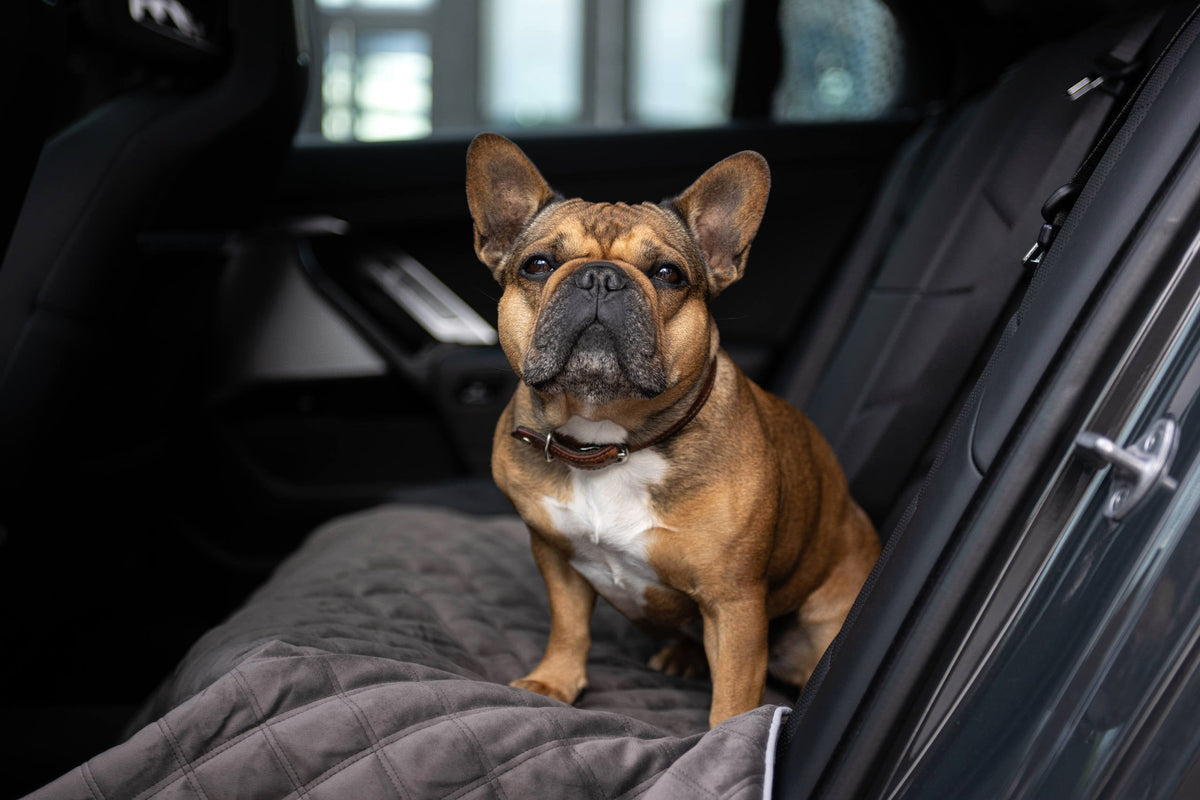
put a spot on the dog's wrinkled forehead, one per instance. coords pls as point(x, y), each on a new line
point(639, 235)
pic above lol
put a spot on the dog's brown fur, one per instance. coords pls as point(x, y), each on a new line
point(754, 518)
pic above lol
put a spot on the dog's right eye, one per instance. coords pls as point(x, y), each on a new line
point(537, 266)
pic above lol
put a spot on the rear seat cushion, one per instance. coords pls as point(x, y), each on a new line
point(456, 593)
point(375, 663)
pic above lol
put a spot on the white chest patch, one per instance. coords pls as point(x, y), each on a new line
point(609, 518)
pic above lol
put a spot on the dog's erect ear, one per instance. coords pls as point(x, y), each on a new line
point(504, 191)
point(723, 209)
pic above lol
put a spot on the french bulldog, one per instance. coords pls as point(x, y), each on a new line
point(649, 469)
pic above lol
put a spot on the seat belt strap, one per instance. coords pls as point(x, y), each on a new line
point(1114, 71)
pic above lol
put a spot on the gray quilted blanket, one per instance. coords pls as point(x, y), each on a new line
point(374, 664)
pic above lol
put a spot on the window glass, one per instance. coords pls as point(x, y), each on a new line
point(403, 69)
point(533, 72)
point(392, 97)
point(681, 61)
point(842, 60)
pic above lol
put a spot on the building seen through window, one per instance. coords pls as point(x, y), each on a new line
point(403, 69)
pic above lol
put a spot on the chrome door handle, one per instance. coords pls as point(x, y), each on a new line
point(1137, 468)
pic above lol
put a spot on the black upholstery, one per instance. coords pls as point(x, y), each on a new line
point(878, 654)
point(26, 56)
point(68, 280)
point(936, 290)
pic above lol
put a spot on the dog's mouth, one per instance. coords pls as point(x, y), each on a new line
point(594, 358)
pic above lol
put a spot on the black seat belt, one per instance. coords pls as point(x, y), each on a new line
point(1114, 70)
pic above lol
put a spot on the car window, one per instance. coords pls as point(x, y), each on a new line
point(842, 59)
point(405, 69)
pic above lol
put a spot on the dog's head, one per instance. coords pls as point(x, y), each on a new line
point(606, 301)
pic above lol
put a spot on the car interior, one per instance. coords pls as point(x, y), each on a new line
point(249, 379)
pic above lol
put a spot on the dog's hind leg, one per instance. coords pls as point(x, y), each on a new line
point(684, 658)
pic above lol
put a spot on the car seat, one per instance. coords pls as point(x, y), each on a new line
point(373, 662)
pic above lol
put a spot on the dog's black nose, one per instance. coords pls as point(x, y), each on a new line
point(600, 277)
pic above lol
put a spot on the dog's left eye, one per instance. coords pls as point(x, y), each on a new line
point(537, 265)
point(668, 273)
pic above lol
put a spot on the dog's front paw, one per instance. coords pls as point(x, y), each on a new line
point(683, 659)
point(566, 691)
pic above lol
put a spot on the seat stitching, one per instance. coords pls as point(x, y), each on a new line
point(86, 771)
point(365, 724)
point(265, 726)
point(580, 765)
point(189, 772)
point(480, 753)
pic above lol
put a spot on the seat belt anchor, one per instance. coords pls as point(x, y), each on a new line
point(1054, 212)
point(1033, 256)
point(1110, 70)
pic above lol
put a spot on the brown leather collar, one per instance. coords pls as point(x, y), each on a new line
point(560, 447)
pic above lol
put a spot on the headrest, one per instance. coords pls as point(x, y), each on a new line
point(184, 34)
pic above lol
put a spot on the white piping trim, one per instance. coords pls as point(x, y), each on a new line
point(772, 743)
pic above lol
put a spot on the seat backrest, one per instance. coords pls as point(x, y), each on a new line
point(71, 270)
point(868, 666)
point(903, 346)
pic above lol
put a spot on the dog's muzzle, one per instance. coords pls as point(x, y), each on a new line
point(596, 338)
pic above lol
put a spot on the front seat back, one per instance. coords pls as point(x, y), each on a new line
point(220, 89)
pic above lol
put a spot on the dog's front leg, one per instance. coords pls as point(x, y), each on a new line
point(735, 640)
point(562, 672)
